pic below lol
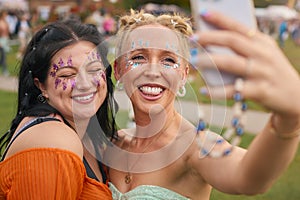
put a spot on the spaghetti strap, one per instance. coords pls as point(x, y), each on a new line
point(29, 124)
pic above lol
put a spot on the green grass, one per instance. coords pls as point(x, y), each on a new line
point(8, 106)
point(12, 61)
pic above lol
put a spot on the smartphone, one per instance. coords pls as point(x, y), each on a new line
point(240, 10)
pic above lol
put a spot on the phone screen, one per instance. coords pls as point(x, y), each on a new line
point(240, 10)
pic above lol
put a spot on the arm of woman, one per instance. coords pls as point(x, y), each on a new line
point(44, 163)
point(270, 80)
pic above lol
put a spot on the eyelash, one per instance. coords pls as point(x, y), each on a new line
point(138, 60)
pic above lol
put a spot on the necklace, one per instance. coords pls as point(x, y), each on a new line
point(128, 176)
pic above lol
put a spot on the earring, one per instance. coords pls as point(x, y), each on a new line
point(41, 98)
point(119, 85)
point(181, 92)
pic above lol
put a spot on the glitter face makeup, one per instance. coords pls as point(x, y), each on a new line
point(69, 80)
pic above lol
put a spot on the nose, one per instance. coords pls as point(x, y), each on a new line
point(153, 70)
point(83, 81)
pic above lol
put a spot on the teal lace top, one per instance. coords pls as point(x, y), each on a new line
point(143, 192)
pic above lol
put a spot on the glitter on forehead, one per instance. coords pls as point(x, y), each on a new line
point(61, 62)
point(132, 45)
point(69, 62)
point(141, 43)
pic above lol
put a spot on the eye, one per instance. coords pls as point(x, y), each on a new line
point(95, 67)
point(136, 61)
point(67, 75)
point(95, 70)
point(138, 57)
point(169, 62)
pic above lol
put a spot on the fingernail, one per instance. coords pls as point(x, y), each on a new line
point(204, 12)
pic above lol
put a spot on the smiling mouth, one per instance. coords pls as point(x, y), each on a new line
point(85, 98)
point(151, 90)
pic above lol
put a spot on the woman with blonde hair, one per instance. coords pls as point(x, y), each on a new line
point(167, 157)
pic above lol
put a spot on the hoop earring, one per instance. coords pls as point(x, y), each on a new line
point(41, 98)
point(119, 85)
point(181, 92)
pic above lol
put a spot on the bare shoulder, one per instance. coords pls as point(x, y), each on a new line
point(51, 134)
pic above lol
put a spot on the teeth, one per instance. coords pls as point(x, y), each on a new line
point(83, 98)
point(151, 90)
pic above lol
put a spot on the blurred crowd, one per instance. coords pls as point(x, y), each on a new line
point(17, 26)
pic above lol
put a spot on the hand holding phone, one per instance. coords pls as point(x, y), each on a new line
point(240, 10)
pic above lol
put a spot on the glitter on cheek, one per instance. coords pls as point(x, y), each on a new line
point(103, 75)
point(64, 85)
point(96, 80)
point(57, 82)
point(73, 83)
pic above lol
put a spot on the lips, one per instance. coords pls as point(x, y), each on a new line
point(151, 92)
point(86, 98)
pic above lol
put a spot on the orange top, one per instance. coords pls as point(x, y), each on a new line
point(48, 173)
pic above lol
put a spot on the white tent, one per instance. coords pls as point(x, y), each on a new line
point(14, 4)
point(279, 11)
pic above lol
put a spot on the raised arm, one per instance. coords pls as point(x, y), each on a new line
point(270, 80)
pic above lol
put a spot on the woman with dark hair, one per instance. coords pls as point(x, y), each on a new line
point(64, 101)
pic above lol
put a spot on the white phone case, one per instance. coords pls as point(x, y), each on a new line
point(241, 10)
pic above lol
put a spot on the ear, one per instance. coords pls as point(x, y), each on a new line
point(185, 75)
point(116, 70)
point(42, 87)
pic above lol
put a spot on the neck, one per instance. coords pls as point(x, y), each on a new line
point(79, 126)
point(157, 124)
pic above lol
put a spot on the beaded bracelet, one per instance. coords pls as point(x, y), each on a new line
point(233, 134)
point(284, 136)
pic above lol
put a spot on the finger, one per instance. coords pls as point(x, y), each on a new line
point(234, 41)
point(232, 64)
